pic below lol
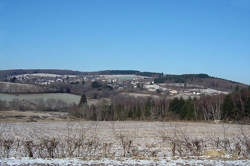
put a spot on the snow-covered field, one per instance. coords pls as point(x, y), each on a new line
point(122, 161)
point(43, 75)
point(36, 98)
point(123, 77)
point(123, 143)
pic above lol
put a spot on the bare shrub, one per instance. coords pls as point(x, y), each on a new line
point(245, 142)
point(79, 112)
point(181, 144)
point(125, 140)
point(29, 146)
point(7, 145)
point(106, 149)
point(50, 145)
point(78, 144)
point(84, 141)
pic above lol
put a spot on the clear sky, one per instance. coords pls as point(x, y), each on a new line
point(170, 36)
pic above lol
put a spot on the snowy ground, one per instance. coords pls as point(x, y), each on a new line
point(122, 161)
point(149, 143)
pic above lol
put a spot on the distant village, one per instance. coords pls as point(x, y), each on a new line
point(141, 84)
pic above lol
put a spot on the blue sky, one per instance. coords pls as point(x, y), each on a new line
point(170, 36)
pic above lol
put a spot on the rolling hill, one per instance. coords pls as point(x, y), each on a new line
point(197, 79)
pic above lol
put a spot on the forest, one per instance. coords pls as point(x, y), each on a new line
point(231, 107)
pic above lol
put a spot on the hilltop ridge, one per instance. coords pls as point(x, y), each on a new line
point(202, 80)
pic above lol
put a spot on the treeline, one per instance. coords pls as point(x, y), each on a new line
point(129, 72)
point(236, 106)
point(6, 73)
point(124, 108)
point(233, 107)
point(202, 80)
point(180, 78)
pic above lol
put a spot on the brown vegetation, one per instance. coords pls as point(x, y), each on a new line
point(85, 141)
point(234, 107)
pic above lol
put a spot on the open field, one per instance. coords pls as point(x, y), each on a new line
point(43, 75)
point(65, 97)
point(7, 87)
point(31, 116)
point(140, 95)
point(123, 77)
point(142, 143)
point(36, 98)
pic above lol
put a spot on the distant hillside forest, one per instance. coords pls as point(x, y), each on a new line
point(232, 107)
point(201, 79)
point(6, 73)
point(198, 79)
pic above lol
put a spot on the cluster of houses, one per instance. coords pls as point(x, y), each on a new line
point(173, 90)
point(119, 82)
point(43, 78)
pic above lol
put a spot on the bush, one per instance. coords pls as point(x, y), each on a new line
point(96, 84)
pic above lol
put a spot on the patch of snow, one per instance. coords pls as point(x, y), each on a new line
point(211, 91)
point(122, 161)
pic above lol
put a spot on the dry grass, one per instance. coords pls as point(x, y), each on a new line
point(88, 139)
point(31, 116)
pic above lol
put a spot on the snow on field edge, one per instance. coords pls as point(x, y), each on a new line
point(123, 161)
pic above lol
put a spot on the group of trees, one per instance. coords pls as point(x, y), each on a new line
point(235, 106)
point(124, 108)
point(185, 109)
point(179, 78)
point(203, 80)
point(136, 108)
point(126, 72)
point(7, 73)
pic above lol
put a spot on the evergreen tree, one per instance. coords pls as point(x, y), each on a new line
point(236, 88)
point(147, 112)
point(173, 106)
point(83, 100)
point(96, 84)
point(68, 90)
point(130, 114)
point(118, 112)
point(187, 111)
point(13, 79)
point(247, 107)
point(176, 105)
point(228, 108)
point(138, 112)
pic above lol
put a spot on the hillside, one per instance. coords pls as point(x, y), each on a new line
point(203, 80)
point(7, 87)
point(6, 73)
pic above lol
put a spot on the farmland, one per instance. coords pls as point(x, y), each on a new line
point(67, 98)
point(121, 119)
point(8, 87)
point(144, 143)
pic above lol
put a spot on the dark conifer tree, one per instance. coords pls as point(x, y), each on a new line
point(228, 108)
